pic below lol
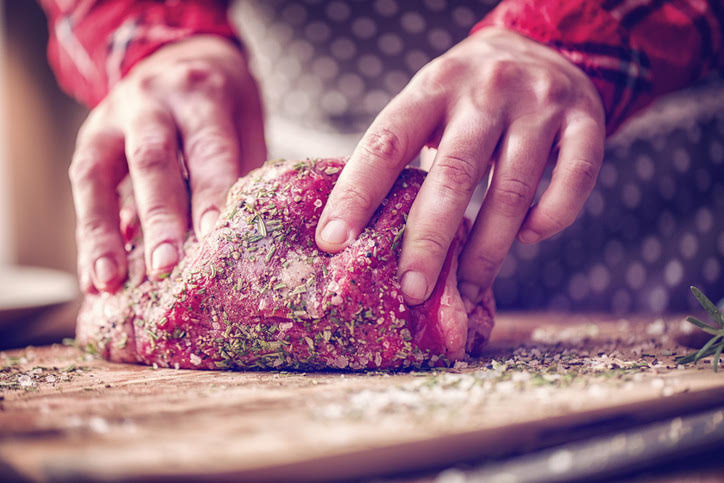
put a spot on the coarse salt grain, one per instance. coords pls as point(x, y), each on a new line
point(25, 381)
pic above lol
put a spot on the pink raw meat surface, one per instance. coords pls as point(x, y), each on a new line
point(258, 293)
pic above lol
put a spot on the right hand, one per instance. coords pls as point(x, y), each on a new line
point(195, 96)
point(496, 100)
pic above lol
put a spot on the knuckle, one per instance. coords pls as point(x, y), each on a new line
point(551, 87)
point(555, 221)
point(89, 128)
point(439, 74)
point(496, 77)
point(430, 242)
point(483, 262)
point(384, 146)
point(353, 198)
point(582, 172)
point(146, 82)
point(156, 214)
point(501, 73)
point(456, 174)
point(194, 75)
point(151, 154)
point(92, 230)
point(511, 195)
point(590, 103)
point(84, 169)
point(209, 144)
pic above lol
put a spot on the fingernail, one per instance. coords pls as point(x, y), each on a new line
point(528, 236)
point(335, 232)
point(208, 221)
point(106, 270)
point(414, 285)
point(469, 291)
point(164, 257)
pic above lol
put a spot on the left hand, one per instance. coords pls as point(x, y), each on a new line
point(196, 96)
point(496, 98)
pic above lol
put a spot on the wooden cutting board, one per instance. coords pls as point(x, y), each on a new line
point(545, 379)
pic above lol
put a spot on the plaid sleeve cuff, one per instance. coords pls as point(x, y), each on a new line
point(94, 44)
point(632, 50)
point(590, 38)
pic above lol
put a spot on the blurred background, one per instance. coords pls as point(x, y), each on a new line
point(37, 133)
point(653, 226)
point(37, 130)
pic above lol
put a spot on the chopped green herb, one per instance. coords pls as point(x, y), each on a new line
point(122, 342)
point(398, 237)
point(261, 227)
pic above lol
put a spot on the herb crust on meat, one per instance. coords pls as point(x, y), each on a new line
point(258, 293)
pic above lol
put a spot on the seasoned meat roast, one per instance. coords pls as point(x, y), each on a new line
point(258, 293)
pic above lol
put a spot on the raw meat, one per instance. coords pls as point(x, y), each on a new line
point(257, 293)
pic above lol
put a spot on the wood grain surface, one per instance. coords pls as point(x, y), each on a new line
point(66, 416)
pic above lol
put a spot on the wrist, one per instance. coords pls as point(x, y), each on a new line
point(589, 37)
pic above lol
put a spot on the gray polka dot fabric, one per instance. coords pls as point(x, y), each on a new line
point(655, 222)
point(333, 65)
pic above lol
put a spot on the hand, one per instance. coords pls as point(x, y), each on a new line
point(498, 99)
point(195, 97)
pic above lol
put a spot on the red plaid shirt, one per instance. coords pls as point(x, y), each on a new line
point(94, 43)
point(633, 50)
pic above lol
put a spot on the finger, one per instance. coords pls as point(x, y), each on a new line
point(462, 156)
point(95, 171)
point(250, 126)
point(160, 193)
point(394, 138)
point(211, 147)
point(427, 156)
point(579, 161)
point(516, 174)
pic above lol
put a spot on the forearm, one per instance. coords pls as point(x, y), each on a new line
point(632, 51)
point(94, 43)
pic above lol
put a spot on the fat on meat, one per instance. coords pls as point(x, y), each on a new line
point(258, 293)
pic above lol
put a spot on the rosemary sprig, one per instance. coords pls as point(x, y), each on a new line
point(715, 345)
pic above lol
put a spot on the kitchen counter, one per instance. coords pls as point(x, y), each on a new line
point(546, 379)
